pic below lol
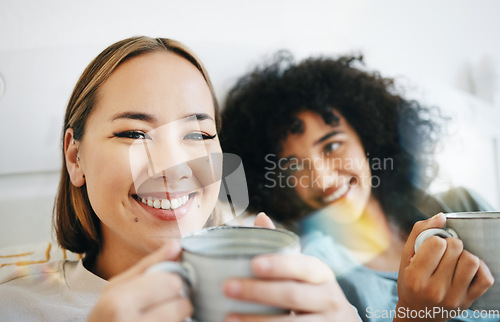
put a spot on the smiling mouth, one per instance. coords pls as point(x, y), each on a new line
point(337, 194)
point(165, 203)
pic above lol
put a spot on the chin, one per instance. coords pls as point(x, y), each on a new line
point(344, 210)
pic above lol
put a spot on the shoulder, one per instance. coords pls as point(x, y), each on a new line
point(457, 199)
point(463, 199)
point(34, 285)
point(32, 262)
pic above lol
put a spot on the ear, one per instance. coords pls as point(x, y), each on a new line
point(73, 167)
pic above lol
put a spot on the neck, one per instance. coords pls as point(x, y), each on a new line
point(111, 261)
point(378, 244)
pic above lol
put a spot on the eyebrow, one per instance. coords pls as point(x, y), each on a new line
point(326, 137)
point(288, 159)
point(198, 116)
point(152, 119)
point(134, 116)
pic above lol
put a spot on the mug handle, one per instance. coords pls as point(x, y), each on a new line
point(443, 233)
point(181, 269)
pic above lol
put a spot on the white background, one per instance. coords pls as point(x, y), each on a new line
point(442, 52)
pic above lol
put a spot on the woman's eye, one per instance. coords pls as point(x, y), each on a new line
point(197, 136)
point(329, 148)
point(135, 135)
point(294, 167)
point(293, 170)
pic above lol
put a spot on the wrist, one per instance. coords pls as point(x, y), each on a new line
point(407, 312)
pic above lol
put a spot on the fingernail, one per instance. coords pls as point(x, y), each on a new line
point(233, 288)
point(262, 264)
point(438, 215)
point(260, 214)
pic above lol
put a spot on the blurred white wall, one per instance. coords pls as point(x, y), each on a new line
point(444, 52)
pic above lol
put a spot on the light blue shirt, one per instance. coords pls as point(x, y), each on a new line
point(374, 293)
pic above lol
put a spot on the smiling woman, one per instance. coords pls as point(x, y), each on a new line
point(142, 169)
point(138, 103)
point(333, 151)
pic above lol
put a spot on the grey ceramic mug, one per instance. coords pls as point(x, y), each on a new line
point(213, 255)
point(480, 234)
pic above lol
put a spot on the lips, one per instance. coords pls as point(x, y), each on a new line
point(331, 196)
point(171, 208)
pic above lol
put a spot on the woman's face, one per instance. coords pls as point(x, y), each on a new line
point(147, 152)
point(328, 166)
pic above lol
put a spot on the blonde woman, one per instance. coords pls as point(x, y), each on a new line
point(124, 211)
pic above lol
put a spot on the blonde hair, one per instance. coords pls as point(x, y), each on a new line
point(77, 226)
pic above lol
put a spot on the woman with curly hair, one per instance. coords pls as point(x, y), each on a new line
point(332, 151)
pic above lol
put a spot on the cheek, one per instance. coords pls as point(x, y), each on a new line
point(108, 176)
point(210, 196)
point(303, 192)
point(360, 161)
point(201, 211)
point(365, 169)
point(364, 175)
point(207, 170)
point(208, 173)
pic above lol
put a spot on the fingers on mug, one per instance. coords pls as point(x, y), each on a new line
point(443, 233)
point(182, 270)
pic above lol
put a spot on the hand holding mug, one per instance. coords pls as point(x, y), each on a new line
point(257, 274)
point(135, 296)
point(441, 273)
point(213, 255)
point(295, 282)
point(298, 283)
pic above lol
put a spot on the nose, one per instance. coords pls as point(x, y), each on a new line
point(324, 175)
point(174, 173)
point(169, 160)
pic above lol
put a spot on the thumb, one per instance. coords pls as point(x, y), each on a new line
point(262, 220)
point(437, 221)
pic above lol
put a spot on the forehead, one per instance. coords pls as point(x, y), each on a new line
point(160, 82)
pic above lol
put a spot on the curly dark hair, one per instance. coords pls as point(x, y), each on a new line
point(260, 112)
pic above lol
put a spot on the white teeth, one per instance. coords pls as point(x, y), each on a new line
point(337, 194)
point(165, 203)
point(175, 203)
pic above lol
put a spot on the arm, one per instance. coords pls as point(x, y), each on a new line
point(440, 275)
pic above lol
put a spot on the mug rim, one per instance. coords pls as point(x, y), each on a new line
point(204, 231)
point(474, 215)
